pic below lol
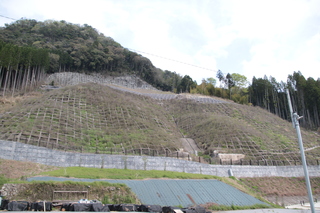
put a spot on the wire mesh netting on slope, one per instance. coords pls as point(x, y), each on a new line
point(92, 118)
point(178, 192)
point(230, 128)
point(95, 118)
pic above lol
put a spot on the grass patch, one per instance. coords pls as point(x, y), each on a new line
point(260, 142)
point(95, 173)
point(3, 180)
point(234, 207)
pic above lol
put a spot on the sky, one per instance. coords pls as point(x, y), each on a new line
point(198, 37)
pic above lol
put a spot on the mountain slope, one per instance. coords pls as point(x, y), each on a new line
point(72, 47)
point(91, 117)
point(241, 129)
point(94, 117)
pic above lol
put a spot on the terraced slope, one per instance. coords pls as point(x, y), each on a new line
point(234, 128)
point(94, 117)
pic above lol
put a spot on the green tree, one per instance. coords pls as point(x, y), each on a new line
point(186, 84)
point(239, 80)
point(220, 76)
point(230, 83)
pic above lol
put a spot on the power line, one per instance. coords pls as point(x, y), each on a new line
point(9, 18)
point(181, 62)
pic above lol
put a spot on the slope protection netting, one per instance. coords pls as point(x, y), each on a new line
point(136, 118)
point(237, 129)
point(91, 118)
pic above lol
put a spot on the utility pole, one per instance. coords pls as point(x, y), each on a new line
point(295, 122)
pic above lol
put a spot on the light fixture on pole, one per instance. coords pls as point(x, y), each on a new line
point(295, 122)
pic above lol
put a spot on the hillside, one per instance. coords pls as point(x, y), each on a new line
point(55, 46)
point(30, 50)
point(100, 117)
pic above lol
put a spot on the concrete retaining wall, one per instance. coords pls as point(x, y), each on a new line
point(23, 152)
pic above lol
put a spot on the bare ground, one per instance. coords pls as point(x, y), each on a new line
point(6, 103)
point(284, 191)
point(18, 170)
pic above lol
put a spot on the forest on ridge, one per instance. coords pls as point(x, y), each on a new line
point(30, 50)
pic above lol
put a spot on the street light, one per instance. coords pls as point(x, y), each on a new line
point(295, 122)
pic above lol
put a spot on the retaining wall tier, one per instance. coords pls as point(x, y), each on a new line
point(24, 152)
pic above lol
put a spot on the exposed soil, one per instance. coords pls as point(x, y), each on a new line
point(282, 190)
point(6, 103)
point(19, 170)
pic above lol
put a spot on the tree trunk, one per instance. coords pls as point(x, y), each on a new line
point(15, 81)
point(27, 79)
point(6, 81)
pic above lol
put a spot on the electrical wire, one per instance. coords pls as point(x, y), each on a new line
point(8, 17)
point(204, 68)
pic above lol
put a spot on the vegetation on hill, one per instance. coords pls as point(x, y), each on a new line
point(71, 47)
point(305, 96)
point(29, 49)
point(98, 119)
point(95, 118)
point(92, 118)
point(232, 128)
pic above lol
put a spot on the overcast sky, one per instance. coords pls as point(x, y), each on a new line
point(249, 37)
